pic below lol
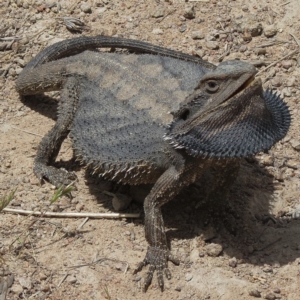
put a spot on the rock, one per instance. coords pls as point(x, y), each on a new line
point(232, 262)
point(296, 213)
point(291, 81)
point(79, 207)
point(157, 31)
point(260, 51)
point(183, 27)
point(286, 64)
point(25, 282)
point(189, 12)
point(86, 8)
point(249, 24)
point(45, 287)
point(243, 48)
point(158, 12)
point(267, 160)
point(71, 279)
point(276, 81)
point(121, 202)
point(197, 35)
point(268, 269)
point(214, 249)
point(270, 296)
point(292, 163)
point(295, 144)
point(255, 293)
point(285, 92)
point(270, 30)
point(43, 276)
point(245, 8)
point(188, 277)
point(277, 291)
point(212, 45)
point(41, 7)
point(247, 37)
point(16, 289)
point(194, 256)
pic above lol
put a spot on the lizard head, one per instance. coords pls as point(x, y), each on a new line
point(229, 115)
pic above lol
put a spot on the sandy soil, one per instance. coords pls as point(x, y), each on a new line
point(50, 258)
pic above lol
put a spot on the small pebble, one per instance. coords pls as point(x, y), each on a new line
point(189, 12)
point(214, 249)
point(197, 35)
point(260, 51)
point(270, 30)
point(183, 27)
point(71, 279)
point(243, 48)
point(270, 296)
point(277, 291)
point(45, 287)
point(121, 202)
point(213, 45)
point(267, 160)
point(194, 256)
point(157, 31)
point(25, 282)
point(86, 8)
point(286, 64)
point(295, 144)
point(255, 293)
point(296, 213)
point(43, 276)
point(292, 163)
point(158, 12)
point(79, 207)
point(188, 277)
point(16, 289)
point(268, 269)
point(232, 262)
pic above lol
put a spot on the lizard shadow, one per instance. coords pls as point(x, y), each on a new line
point(42, 104)
point(242, 225)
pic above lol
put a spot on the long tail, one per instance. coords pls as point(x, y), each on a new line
point(76, 45)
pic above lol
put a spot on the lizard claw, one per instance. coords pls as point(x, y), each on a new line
point(158, 260)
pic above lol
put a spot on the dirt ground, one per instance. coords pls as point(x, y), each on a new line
point(60, 258)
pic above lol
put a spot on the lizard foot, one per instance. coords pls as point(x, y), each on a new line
point(57, 177)
point(158, 260)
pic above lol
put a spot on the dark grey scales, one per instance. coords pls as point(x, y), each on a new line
point(116, 108)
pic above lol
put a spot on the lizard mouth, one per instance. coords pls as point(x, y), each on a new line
point(245, 86)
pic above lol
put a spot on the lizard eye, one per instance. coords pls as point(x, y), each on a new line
point(211, 86)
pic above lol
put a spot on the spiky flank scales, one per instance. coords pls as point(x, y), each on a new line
point(160, 117)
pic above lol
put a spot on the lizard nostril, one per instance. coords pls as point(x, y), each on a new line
point(185, 113)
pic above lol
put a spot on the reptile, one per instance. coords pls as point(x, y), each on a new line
point(152, 115)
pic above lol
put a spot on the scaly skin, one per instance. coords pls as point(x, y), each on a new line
point(116, 107)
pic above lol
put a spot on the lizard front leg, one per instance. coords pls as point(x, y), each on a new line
point(51, 142)
point(166, 188)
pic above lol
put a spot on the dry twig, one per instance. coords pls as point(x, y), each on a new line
point(71, 215)
point(277, 61)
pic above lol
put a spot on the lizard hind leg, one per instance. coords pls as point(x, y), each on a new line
point(50, 145)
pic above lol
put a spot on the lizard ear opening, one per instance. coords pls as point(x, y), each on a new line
point(245, 125)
